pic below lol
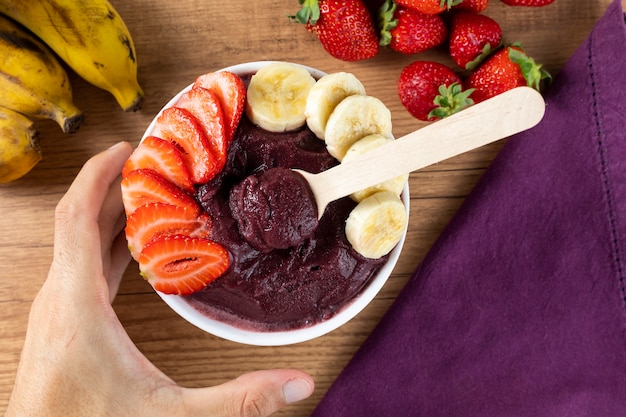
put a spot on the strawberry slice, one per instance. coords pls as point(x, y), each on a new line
point(231, 92)
point(154, 220)
point(163, 157)
point(181, 264)
point(183, 129)
point(144, 186)
point(205, 106)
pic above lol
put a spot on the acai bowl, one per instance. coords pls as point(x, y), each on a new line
point(270, 288)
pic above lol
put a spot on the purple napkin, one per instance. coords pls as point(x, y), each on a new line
point(519, 309)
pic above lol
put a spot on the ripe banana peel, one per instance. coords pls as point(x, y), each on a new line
point(19, 150)
point(32, 80)
point(90, 36)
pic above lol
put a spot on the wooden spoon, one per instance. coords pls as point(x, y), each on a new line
point(499, 117)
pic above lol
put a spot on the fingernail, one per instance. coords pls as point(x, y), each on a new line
point(297, 389)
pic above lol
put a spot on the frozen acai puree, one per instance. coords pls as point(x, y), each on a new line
point(279, 289)
point(274, 209)
point(218, 217)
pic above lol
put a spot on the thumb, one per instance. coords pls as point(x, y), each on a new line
point(255, 394)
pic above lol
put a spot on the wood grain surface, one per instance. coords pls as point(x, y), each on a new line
point(176, 41)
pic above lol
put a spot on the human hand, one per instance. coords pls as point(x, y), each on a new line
point(79, 361)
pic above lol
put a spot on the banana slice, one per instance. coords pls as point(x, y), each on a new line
point(277, 96)
point(364, 145)
point(324, 96)
point(376, 224)
point(355, 117)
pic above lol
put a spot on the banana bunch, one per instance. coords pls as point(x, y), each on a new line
point(89, 36)
point(32, 81)
point(336, 109)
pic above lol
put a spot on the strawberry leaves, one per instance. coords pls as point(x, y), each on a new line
point(533, 73)
point(451, 99)
point(309, 13)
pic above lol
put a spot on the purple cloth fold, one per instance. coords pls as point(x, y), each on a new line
point(519, 309)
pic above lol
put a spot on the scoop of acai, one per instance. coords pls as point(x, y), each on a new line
point(274, 209)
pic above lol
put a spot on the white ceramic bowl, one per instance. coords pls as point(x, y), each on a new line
point(278, 338)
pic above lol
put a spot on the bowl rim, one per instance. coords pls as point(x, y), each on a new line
point(286, 337)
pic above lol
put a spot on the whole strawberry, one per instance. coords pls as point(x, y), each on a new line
point(429, 6)
point(408, 31)
point(473, 37)
point(476, 6)
point(344, 27)
point(529, 3)
point(508, 68)
point(430, 90)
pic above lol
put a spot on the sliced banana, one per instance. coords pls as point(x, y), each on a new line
point(376, 224)
point(364, 145)
point(355, 117)
point(277, 96)
point(324, 96)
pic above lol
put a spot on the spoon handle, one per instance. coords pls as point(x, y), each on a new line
point(499, 117)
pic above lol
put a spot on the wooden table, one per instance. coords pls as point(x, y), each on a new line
point(176, 41)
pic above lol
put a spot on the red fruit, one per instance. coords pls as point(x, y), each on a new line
point(231, 92)
point(530, 3)
point(430, 90)
point(473, 37)
point(144, 186)
point(409, 31)
point(183, 129)
point(163, 157)
point(428, 6)
point(155, 220)
point(506, 69)
point(344, 27)
point(476, 6)
point(181, 264)
point(205, 107)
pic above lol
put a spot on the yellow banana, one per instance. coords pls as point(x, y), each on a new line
point(91, 37)
point(19, 151)
point(32, 81)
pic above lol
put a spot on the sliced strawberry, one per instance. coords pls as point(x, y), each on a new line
point(184, 130)
point(205, 106)
point(163, 157)
point(154, 220)
point(181, 264)
point(144, 186)
point(231, 92)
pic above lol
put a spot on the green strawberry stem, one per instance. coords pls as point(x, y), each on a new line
point(487, 50)
point(451, 99)
point(533, 73)
point(386, 22)
point(309, 13)
point(449, 3)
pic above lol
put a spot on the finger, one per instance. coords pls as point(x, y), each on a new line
point(256, 394)
point(91, 185)
point(78, 211)
point(120, 258)
point(77, 242)
point(112, 218)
